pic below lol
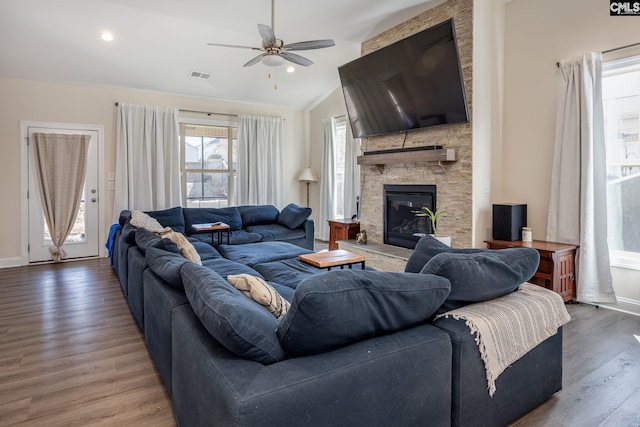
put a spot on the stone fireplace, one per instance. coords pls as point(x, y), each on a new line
point(454, 180)
point(401, 226)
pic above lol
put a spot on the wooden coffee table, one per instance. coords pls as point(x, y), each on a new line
point(329, 259)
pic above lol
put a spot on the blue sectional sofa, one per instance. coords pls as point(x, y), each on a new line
point(355, 348)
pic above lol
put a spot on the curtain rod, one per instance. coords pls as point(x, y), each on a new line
point(613, 50)
point(208, 113)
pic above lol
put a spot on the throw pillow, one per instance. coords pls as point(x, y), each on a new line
point(261, 292)
point(428, 247)
point(245, 328)
point(482, 276)
point(186, 248)
point(292, 216)
point(336, 308)
point(142, 220)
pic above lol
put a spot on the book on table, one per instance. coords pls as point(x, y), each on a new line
point(208, 225)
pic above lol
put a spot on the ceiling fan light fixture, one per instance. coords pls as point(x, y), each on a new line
point(272, 60)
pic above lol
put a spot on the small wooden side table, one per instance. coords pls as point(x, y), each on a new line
point(215, 227)
point(556, 270)
point(342, 229)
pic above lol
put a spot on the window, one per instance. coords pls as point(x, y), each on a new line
point(339, 153)
point(621, 99)
point(209, 165)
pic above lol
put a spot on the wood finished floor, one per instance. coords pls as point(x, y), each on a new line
point(71, 354)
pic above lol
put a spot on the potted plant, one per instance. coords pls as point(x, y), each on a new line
point(433, 217)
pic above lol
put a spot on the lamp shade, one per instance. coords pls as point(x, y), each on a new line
point(307, 175)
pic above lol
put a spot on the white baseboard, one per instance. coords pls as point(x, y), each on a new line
point(11, 262)
point(624, 305)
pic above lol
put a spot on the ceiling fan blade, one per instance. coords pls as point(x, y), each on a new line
point(267, 34)
point(308, 45)
point(296, 59)
point(234, 45)
point(254, 60)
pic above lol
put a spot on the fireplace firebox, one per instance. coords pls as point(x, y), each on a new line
point(401, 202)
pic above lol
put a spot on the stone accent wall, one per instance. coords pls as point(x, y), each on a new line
point(454, 186)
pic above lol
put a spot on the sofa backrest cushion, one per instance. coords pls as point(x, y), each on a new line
point(482, 276)
point(145, 238)
point(172, 217)
point(428, 247)
point(292, 215)
point(258, 215)
point(166, 265)
point(243, 326)
point(229, 215)
point(336, 308)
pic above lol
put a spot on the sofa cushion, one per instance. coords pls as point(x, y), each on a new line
point(143, 220)
point(292, 215)
point(205, 250)
point(225, 267)
point(186, 248)
point(288, 272)
point(477, 277)
point(276, 232)
point(173, 218)
point(237, 237)
point(258, 215)
point(261, 252)
point(261, 292)
point(336, 308)
point(145, 238)
point(166, 265)
point(229, 215)
point(245, 328)
point(428, 247)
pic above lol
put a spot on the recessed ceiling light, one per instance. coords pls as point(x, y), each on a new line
point(290, 69)
point(106, 36)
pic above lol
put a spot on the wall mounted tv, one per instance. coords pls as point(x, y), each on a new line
point(411, 84)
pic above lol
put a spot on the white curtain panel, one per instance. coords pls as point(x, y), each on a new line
point(327, 182)
point(351, 174)
point(147, 159)
point(260, 161)
point(61, 165)
point(578, 183)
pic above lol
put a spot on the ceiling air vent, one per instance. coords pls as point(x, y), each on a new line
point(200, 75)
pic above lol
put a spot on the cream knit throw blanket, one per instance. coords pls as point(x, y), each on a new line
point(506, 328)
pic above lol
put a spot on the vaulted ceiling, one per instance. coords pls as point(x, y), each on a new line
point(159, 43)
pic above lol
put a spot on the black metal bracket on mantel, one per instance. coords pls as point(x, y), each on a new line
point(413, 155)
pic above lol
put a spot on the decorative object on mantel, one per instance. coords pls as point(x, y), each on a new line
point(309, 176)
point(361, 237)
point(433, 217)
point(428, 154)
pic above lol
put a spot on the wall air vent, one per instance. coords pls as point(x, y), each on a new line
point(200, 75)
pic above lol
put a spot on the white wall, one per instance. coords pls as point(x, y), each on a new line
point(53, 102)
point(332, 106)
point(538, 33)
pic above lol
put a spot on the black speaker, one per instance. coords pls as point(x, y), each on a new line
point(508, 220)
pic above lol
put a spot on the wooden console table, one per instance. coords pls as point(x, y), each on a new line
point(556, 270)
point(342, 229)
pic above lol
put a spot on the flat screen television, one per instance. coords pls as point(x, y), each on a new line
point(411, 84)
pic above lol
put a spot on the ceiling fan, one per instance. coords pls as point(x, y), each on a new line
point(274, 51)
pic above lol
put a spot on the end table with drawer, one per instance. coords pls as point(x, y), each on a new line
point(556, 270)
point(342, 229)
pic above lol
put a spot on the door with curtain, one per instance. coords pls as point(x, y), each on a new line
point(83, 240)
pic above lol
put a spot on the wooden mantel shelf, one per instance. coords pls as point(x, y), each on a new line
point(381, 159)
